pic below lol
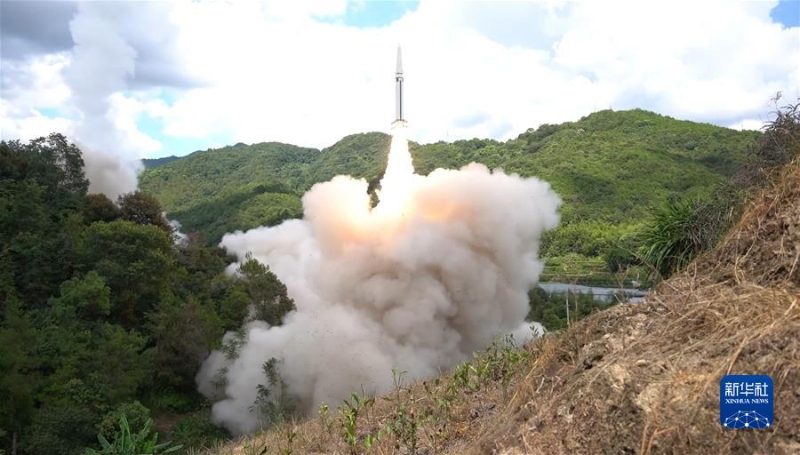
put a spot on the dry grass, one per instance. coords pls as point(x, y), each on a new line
point(448, 414)
point(645, 378)
point(635, 379)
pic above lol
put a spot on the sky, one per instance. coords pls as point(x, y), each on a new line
point(152, 79)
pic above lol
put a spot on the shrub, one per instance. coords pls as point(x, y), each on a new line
point(128, 443)
point(197, 431)
point(670, 240)
point(136, 414)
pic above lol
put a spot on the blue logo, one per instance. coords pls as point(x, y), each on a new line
point(746, 401)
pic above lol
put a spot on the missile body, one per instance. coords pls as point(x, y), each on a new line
point(398, 84)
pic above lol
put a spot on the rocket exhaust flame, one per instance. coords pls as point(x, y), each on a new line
point(399, 177)
point(438, 268)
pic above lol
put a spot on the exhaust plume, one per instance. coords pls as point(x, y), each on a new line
point(110, 174)
point(434, 272)
point(102, 60)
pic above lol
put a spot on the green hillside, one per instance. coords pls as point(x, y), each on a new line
point(155, 162)
point(609, 167)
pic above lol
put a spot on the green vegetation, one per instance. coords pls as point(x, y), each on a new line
point(127, 442)
point(557, 310)
point(155, 162)
point(610, 168)
point(681, 229)
point(104, 318)
point(669, 239)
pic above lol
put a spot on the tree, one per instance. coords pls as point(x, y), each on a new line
point(267, 294)
point(89, 296)
point(41, 185)
point(136, 262)
point(51, 161)
point(88, 362)
point(24, 209)
point(273, 401)
point(201, 264)
point(232, 302)
point(57, 151)
point(17, 381)
point(60, 429)
point(98, 207)
point(90, 303)
point(184, 333)
point(142, 208)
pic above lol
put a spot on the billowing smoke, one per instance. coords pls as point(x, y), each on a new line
point(101, 62)
point(437, 269)
point(179, 237)
point(109, 173)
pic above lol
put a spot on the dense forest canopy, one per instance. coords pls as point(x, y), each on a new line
point(103, 311)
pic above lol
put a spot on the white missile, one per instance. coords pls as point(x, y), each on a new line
point(398, 84)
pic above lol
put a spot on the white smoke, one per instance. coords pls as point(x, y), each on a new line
point(101, 62)
point(441, 266)
point(178, 237)
point(110, 174)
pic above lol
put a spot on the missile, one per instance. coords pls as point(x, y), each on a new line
point(398, 84)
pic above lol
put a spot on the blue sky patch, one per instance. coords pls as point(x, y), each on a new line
point(373, 13)
point(50, 112)
point(179, 146)
point(787, 13)
point(184, 146)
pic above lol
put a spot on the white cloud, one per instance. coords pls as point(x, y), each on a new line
point(125, 111)
point(314, 85)
point(27, 124)
point(748, 124)
point(702, 60)
point(28, 88)
point(272, 72)
point(303, 9)
point(37, 82)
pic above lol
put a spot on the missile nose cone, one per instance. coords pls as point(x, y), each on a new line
point(399, 69)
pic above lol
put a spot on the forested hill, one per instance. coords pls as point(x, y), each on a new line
point(155, 162)
point(609, 167)
point(102, 312)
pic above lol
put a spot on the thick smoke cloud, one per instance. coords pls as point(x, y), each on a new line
point(101, 63)
point(110, 174)
point(441, 266)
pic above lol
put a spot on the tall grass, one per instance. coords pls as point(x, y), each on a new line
point(671, 240)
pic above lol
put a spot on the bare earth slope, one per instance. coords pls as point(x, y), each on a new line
point(645, 378)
